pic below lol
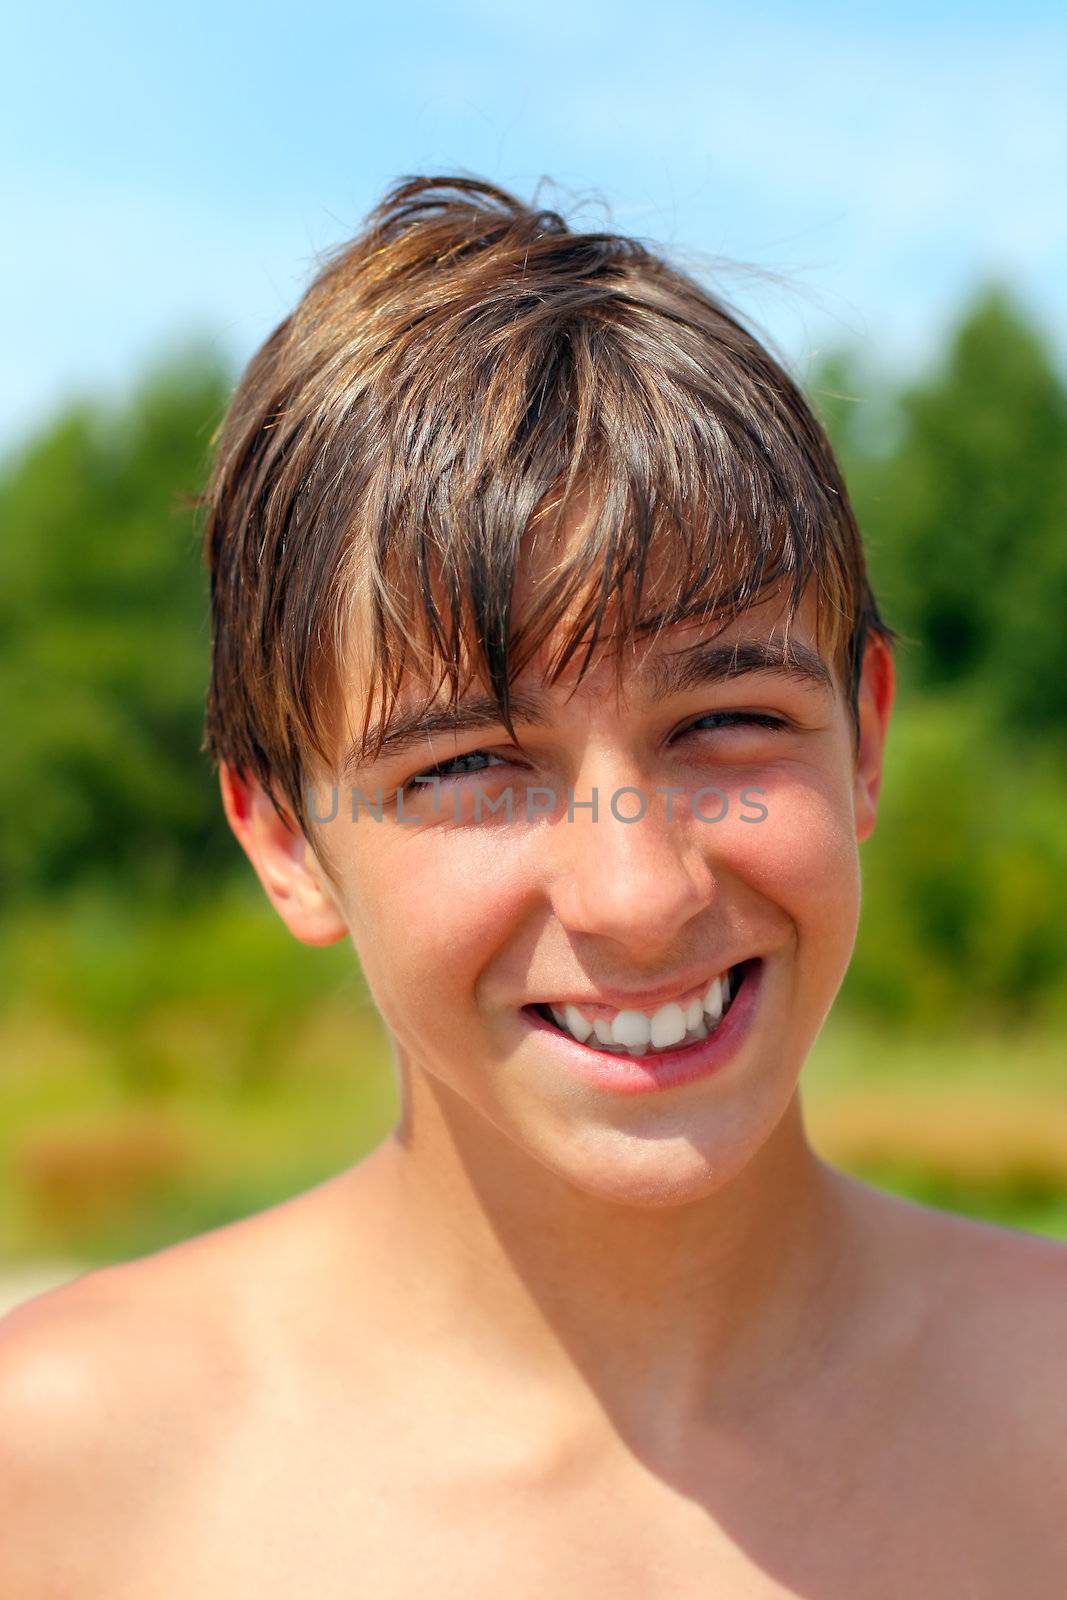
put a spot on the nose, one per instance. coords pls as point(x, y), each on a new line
point(637, 881)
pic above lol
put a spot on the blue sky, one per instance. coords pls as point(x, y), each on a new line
point(178, 174)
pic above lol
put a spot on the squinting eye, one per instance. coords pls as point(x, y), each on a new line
point(758, 719)
point(446, 769)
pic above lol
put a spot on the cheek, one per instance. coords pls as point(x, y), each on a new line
point(803, 858)
point(428, 911)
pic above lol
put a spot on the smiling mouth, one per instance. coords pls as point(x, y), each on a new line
point(661, 1033)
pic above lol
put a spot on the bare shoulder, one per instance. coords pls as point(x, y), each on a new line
point(990, 1348)
point(1011, 1287)
point(1003, 1289)
point(99, 1344)
point(68, 1410)
point(1002, 1361)
point(110, 1389)
point(183, 1332)
point(978, 1281)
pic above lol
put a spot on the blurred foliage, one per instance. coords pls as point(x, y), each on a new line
point(104, 645)
point(959, 482)
point(960, 486)
point(172, 1058)
point(964, 877)
point(164, 1065)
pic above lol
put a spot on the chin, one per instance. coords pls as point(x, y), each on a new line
point(653, 1170)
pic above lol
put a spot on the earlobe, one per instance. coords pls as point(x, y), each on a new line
point(877, 690)
point(283, 861)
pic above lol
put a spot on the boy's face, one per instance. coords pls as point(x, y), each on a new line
point(462, 925)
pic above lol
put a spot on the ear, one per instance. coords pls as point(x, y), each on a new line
point(285, 863)
point(876, 693)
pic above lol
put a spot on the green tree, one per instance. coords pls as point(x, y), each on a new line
point(104, 642)
point(965, 510)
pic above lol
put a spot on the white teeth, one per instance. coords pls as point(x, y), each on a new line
point(713, 1000)
point(637, 1032)
point(632, 1029)
point(668, 1026)
point(578, 1025)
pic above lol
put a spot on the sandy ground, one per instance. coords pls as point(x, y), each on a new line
point(21, 1284)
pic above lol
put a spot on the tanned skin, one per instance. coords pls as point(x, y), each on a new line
point(545, 1339)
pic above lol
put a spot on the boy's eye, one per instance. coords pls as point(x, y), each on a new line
point(479, 760)
point(728, 719)
point(468, 764)
point(454, 767)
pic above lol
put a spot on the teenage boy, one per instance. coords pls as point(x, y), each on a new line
point(547, 670)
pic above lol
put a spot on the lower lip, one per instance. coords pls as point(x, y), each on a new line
point(644, 1074)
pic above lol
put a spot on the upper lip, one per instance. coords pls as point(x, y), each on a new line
point(641, 999)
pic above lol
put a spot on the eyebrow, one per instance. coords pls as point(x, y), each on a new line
point(676, 673)
point(702, 664)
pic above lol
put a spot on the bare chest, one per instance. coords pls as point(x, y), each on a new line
point(408, 1511)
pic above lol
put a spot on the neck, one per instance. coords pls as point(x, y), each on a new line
point(660, 1317)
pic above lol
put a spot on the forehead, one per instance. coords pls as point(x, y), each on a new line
point(578, 637)
point(553, 537)
point(764, 638)
point(769, 618)
point(762, 644)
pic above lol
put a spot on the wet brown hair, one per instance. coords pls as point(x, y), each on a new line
point(452, 379)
